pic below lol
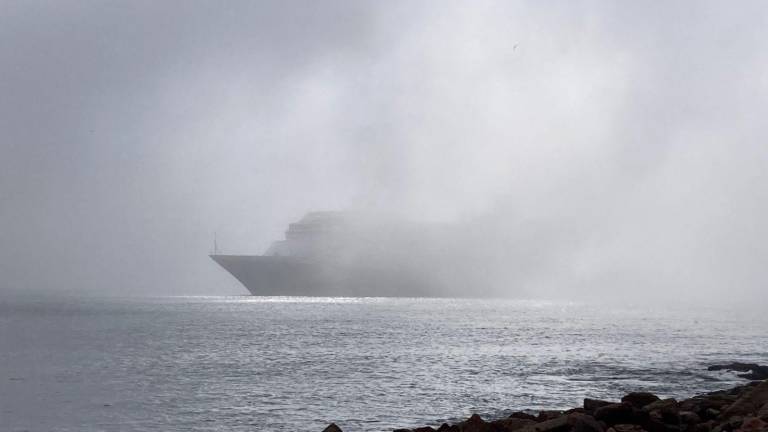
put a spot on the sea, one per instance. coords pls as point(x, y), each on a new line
point(373, 364)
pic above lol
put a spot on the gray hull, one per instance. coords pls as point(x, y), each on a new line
point(289, 276)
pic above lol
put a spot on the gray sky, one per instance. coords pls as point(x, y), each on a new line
point(618, 147)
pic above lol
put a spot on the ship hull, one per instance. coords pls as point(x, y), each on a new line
point(290, 276)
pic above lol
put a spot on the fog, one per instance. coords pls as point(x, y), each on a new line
point(611, 150)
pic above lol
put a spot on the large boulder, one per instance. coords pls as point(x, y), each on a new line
point(689, 417)
point(559, 424)
point(665, 410)
point(511, 424)
point(700, 404)
point(750, 402)
point(753, 424)
point(584, 423)
point(522, 415)
point(663, 405)
point(474, 424)
point(763, 413)
point(548, 415)
point(590, 405)
point(640, 399)
point(445, 427)
point(616, 413)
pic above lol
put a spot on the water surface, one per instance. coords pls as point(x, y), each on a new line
point(296, 364)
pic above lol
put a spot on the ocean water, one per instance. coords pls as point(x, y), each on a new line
point(297, 364)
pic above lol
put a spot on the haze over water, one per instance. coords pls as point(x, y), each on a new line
point(609, 149)
point(296, 364)
point(607, 159)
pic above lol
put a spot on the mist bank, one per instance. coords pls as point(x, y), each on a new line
point(592, 149)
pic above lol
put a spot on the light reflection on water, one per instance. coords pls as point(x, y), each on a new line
point(298, 363)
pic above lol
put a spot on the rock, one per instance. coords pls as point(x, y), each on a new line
point(445, 427)
point(662, 405)
point(626, 428)
point(700, 404)
point(548, 415)
point(511, 424)
point(753, 370)
point(730, 424)
point(750, 402)
point(615, 413)
point(332, 428)
point(703, 427)
point(640, 399)
point(689, 417)
point(711, 413)
point(763, 413)
point(655, 423)
point(738, 390)
point(522, 415)
point(474, 424)
point(590, 405)
point(559, 424)
point(665, 410)
point(753, 424)
point(424, 429)
point(578, 410)
point(584, 423)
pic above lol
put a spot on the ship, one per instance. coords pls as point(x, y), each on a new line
point(343, 254)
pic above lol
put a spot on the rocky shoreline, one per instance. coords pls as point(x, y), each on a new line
point(740, 409)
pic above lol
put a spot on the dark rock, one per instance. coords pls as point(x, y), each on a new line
point(736, 390)
point(703, 427)
point(424, 429)
point(402, 430)
point(656, 424)
point(711, 413)
point(474, 424)
point(734, 422)
point(626, 428)
point(522, 415)
point(700, 404)
point(662, 405)
point(445, 427)
point(578, 410)
point(548, 415)
point(689, 417)
point(753, 424)
point(332, 428)
point(584, 423)
point(590, 405)
point(511, 424)
point(665, 410)
point(640, 399)
point(763, 412)
point(750, 402)
point(559, 424)
point(753, 371)
point(615, 413)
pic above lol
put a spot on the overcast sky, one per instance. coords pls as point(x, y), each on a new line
point(621, 146)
